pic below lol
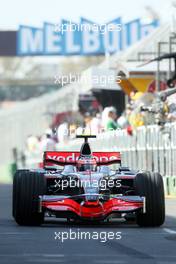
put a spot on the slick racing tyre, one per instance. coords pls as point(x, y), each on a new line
point(27, 186)
point(150, 185)
point(14, 194)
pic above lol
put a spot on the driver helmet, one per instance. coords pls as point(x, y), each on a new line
point(86, 164)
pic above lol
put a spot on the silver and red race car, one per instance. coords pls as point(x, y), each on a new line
point(82, 186)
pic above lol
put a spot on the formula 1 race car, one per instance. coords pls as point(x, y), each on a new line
point(86, 188)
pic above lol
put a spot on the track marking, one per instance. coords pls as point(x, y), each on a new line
point(52, 255)
point(110, 261)
point(33, 260)
point(33, 255)
point(170, 231)
point(14, 233)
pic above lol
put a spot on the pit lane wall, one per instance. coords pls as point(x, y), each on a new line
point(150, 148)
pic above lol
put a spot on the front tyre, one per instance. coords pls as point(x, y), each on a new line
point(151, 186)
point(27, 186)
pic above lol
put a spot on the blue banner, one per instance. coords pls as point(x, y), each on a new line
point(84, 38)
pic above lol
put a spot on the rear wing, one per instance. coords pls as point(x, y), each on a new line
point(62, 158)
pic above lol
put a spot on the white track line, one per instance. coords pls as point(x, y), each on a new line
point(170, 231)
point(14, 233)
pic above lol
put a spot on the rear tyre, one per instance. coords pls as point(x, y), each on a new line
point(151, 186)
point(27, 186)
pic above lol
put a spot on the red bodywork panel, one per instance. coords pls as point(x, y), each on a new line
point(62, 158)
point(93, 209)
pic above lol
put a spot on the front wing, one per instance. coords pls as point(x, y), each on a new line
point(65, 206)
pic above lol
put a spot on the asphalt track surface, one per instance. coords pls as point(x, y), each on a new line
point(43, 244)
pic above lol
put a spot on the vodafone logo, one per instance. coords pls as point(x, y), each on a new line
point(71, 158)
point(105, 158)
point(67, 157)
